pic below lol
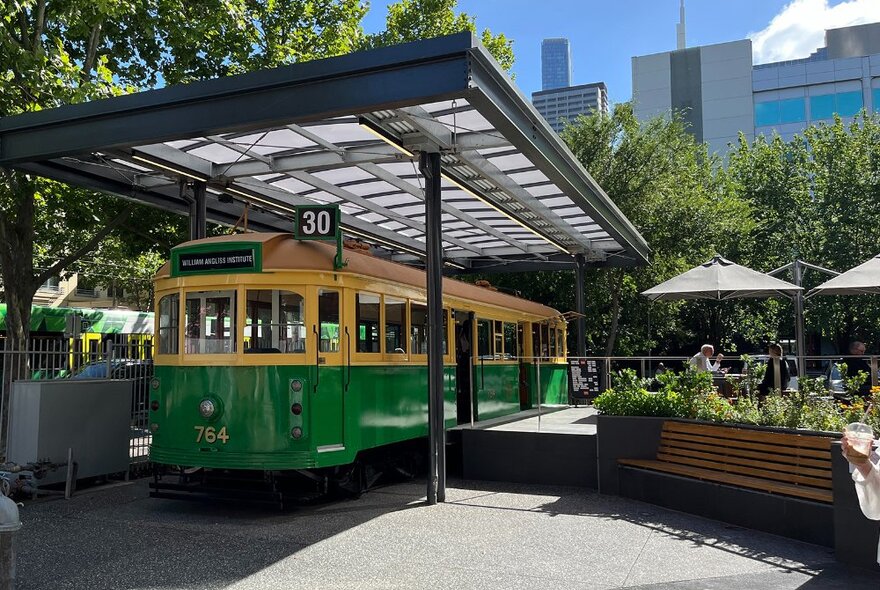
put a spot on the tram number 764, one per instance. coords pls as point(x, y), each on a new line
point(211, 435)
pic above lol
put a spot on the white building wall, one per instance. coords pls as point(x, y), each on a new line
point(726, 88)
point(652, 86)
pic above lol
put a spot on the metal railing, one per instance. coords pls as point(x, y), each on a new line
point(816, 366)
point(53, 359)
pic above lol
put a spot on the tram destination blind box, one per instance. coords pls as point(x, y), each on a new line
point(584, 379)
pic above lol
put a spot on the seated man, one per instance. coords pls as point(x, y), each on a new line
point(701, 361)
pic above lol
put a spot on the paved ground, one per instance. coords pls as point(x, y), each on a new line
point(485, 536)
point(581, 420)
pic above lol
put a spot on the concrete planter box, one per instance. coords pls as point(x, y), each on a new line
point(638, 437)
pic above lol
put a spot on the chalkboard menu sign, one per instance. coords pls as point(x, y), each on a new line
point(583, 379)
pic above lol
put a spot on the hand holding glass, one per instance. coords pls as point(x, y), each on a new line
point(856, 442)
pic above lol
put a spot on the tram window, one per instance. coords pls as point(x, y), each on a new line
point(367, 318)
point(536, 340)
point(274, 321)
point(552, 341)
point(210, 322)
point(560, 342)
point(545, 340)
point(418, 321)
point(395, 325)
point(169, 323)
point(328, 320)
point(510, 351)
point(484, 339)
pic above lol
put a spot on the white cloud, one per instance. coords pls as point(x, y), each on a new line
point(799, 29)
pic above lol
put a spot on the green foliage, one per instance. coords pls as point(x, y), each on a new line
point(689, 394)
point(629, 397)
point(410, 20)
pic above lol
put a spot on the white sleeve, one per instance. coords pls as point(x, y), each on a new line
point(868, 491)
point(716, 366)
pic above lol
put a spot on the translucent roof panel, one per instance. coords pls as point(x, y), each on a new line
point(348, 130)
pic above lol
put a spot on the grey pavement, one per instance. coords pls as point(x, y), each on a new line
point(580, 420)
point(486, 535)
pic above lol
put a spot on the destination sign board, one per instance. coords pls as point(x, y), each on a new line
point(244, 259)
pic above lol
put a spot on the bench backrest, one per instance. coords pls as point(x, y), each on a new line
point(790, 458)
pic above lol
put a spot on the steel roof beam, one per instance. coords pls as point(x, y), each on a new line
point(354, 199)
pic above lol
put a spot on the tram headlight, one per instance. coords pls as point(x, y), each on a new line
point(296, 385)
point(154, 405)
point(207, 408)
point(297, 409)
point(154, 427)
point(296, 432)
point(154, 383)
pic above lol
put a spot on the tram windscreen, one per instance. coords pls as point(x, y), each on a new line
point(328, 320)
point(210, 322)
point(274, 322)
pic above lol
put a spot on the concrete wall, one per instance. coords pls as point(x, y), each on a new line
point(726, 87)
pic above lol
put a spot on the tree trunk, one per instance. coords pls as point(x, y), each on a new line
point(616, 286)
point(17, 271)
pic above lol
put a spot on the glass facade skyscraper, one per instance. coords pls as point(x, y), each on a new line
point(555, 64)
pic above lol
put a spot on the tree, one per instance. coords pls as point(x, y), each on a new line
point(410, 20)
point(815, 197)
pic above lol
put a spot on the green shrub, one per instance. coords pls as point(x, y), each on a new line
point(690, 394)
point(630, 397)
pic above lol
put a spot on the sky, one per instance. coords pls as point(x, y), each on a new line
point(605, 34)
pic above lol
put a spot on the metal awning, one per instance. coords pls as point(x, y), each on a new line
point(348, 130)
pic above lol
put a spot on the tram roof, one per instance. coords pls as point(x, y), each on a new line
point(281, 252)
point(348, 130)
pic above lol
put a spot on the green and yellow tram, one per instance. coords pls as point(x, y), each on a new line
point(268, 358)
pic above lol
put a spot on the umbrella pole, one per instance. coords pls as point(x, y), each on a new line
point(800, 341)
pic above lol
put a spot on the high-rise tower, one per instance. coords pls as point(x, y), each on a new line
point(679, 28)
point(555, 64)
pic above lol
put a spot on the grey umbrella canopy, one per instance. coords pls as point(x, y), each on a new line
point(861, 280)
point(721, 279)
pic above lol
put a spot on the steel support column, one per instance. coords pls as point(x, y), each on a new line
point(197, 211)
point(800, 341)
point(579, 263)
point(430, 167)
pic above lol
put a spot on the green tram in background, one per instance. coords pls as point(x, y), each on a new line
point(269, 360)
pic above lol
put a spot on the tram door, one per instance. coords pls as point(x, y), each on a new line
point(464, 354)
point(329, 381)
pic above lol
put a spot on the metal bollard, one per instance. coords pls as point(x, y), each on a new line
point(9, 525)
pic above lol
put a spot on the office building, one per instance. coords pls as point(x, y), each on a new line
point(555, 64)
point(720, 93)
point(564, 104)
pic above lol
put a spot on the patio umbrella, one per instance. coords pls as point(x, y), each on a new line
point(861, 280)
point(721, 279)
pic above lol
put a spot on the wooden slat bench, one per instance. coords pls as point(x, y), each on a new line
point(773, 462)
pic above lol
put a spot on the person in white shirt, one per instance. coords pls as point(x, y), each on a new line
point(701, 360)
point(866, 475)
